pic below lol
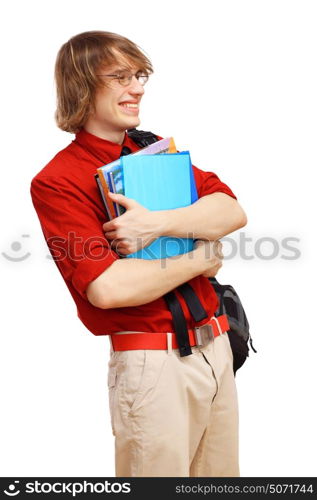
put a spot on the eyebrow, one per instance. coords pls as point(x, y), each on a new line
point(121, 69)
point(124, 69)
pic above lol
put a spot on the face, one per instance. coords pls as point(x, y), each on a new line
point(116, 106)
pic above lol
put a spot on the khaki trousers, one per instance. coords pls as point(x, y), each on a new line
point(174, 416)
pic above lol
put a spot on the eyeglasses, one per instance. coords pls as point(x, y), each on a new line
point(124, 78)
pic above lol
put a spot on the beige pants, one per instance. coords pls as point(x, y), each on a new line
point(174, 416)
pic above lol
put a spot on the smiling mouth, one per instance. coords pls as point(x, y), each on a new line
point(129, 105)
point(130, 108)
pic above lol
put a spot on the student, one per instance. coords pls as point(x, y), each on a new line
point(171, 415)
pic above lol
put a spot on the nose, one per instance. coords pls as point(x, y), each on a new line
point(135, 86)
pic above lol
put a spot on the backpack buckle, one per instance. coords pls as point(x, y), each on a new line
point(203, 335)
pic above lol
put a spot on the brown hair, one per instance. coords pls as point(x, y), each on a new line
point(77, 63)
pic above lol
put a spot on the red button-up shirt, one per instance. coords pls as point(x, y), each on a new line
point(71, 213)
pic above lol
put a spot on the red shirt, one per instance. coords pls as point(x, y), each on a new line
point(71, 213)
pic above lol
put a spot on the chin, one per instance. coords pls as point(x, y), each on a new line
point(133, 122)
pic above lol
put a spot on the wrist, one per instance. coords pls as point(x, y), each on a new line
point(201, 264)
point(160, 222)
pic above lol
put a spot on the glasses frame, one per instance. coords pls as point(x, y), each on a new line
point(138, 75)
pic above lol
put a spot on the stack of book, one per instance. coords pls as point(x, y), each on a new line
point(157, 177)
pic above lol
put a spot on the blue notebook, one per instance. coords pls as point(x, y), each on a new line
point(160, 182)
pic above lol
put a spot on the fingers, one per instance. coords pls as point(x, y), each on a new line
point(122, 246)
point(123, 200)
point(111, 235)
point(211, 252)
point(199, 243)
point(211, 246)
point(218, 249)
point(212, 271)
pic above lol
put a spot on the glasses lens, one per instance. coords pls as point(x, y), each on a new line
point(124, 79)
point(142, 78)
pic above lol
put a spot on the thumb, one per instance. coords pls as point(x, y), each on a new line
point(123, 200)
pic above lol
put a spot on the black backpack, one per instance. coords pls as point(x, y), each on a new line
point(239, 333)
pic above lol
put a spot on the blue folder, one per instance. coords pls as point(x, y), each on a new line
point(160, 182)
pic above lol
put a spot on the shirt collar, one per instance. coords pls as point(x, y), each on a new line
point(104, 150)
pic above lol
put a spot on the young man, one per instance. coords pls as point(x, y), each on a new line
point(171, 415)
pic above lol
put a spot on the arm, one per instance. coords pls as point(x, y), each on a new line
point(91, 268)
point(211, 217)
point(133, 282)
point(215, 214)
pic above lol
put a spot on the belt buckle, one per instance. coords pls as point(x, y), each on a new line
point(203, 335)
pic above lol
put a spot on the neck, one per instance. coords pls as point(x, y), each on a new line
point(116, 136)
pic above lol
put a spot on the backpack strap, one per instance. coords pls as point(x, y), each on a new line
point(194, 305)
point(179, 323)
point(142, 138)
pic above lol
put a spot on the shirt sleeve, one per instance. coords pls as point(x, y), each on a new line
point(72, 231)
point(209, 182)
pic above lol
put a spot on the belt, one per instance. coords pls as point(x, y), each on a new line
point(198, 336)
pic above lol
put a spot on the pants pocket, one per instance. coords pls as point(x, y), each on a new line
point(142, 370)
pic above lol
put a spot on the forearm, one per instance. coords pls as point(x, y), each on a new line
point(133, 282)
point(211, 217)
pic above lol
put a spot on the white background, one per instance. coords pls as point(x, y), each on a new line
point(235, 83)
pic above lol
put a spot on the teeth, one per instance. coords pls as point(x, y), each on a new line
point(130, 105)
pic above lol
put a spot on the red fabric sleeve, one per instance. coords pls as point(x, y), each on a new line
point(72, 231)
point(208, 183)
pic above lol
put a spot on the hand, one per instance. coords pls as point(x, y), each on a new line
point(211, 253)
point(137, 228)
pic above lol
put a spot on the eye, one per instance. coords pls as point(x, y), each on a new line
point(123, 77)
point(142, 77)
